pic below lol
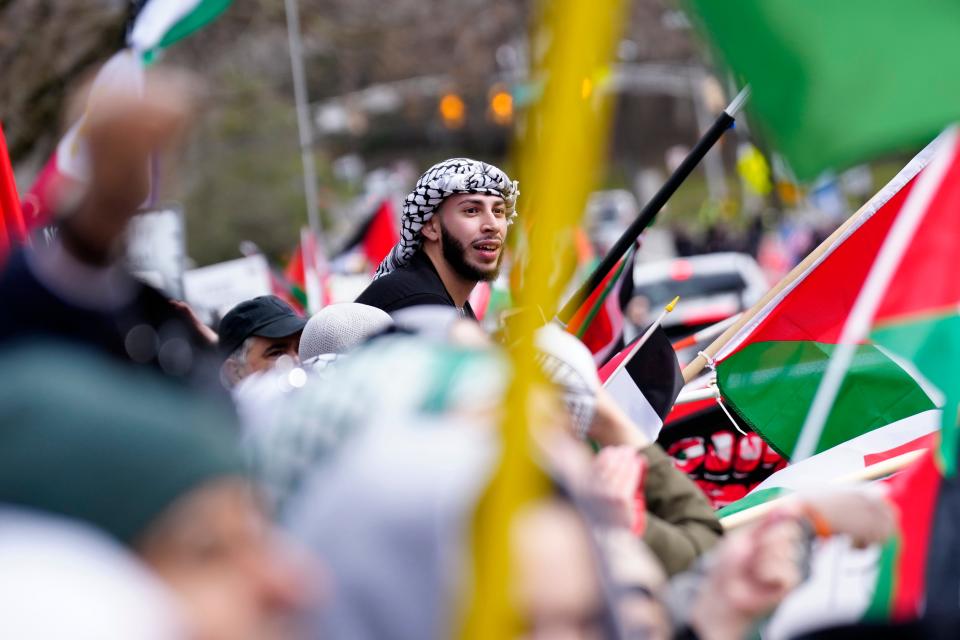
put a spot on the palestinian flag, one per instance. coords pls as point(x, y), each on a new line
point(916, 314)
point(599, 321)
point(287, 291)
point(307, 275)
point(909, 305)
point(376, 236)
point(645, 380)
point(900, 590)
point(916, 573)
point(160, 23)
point(490, 301)
point(879, 583)
point(769, 372)
point(295, 278)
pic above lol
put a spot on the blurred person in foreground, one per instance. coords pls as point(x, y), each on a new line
point(156, 469)
point(391, 510)
point(729, 590)
point(452, 236)
point(62, 579)
point(295, 422)
point(633, 478)
point(398, 464)
point(721, 588)
point(734, 588)
point(390, 500)
point(256, 334)
point(75, 287)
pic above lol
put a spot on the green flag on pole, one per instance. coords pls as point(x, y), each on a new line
point(835, 83)
point(161, 23)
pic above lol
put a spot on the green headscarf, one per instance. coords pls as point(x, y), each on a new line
point(103, 443)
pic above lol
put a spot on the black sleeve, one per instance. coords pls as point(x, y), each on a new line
point(414, 300)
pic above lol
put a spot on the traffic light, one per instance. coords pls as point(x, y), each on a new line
point(501, 105)
point(452, 110)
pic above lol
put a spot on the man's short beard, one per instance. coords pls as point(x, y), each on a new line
point(454, 253)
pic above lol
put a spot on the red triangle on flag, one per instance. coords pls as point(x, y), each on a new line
point(381, 234)
point(12, 230)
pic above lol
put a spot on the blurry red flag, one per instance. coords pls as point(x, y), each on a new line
point(599, 321)
point(308, 274)
point(376, 236)
point(381, 234)
point(12, 229)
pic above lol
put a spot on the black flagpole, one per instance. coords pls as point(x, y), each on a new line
point(723, 122)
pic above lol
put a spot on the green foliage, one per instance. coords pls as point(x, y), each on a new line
point(246, 179)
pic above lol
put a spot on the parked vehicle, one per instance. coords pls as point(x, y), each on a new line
point(711, 287)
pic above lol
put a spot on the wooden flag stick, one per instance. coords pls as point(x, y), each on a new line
point(876, 202)
point(696, 366)
point(874, 471)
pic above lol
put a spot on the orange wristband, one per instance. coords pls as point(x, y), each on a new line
point(820, 525)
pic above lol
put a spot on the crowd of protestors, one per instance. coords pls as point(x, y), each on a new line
point(317, 478)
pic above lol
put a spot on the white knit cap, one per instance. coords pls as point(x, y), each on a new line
point(338, 328)
point(569, 364)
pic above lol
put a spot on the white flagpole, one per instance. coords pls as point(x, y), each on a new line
point(707, 333)
point(709, 392)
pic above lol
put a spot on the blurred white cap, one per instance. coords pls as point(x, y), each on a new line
point(569, 364)
point(338, 328)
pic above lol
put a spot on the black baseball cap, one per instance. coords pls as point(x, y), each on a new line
point(265, 316)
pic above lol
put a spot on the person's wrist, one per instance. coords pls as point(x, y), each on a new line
point(818, 522)
point(77, 242)
point(610, 429)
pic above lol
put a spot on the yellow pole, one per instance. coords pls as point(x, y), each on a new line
point(563, 141)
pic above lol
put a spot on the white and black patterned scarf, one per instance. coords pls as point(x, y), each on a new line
point(456, 175)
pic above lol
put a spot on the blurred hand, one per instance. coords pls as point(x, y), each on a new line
point(753, 571)
point(611, 426)
point(614, 487)
point(124, 125)
point(865, 517)
point(206, 332)
point(124, 130)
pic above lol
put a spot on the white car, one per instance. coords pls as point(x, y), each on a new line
point(712, 287)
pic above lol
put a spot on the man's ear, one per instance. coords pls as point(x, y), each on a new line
point(231, 372)
point(431, 228)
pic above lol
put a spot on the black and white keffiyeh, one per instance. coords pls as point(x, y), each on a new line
point(456, 175)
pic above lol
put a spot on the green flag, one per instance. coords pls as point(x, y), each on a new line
point(838, 82)
point(161, 23)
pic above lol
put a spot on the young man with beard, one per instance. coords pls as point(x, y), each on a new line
point(452, 236)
